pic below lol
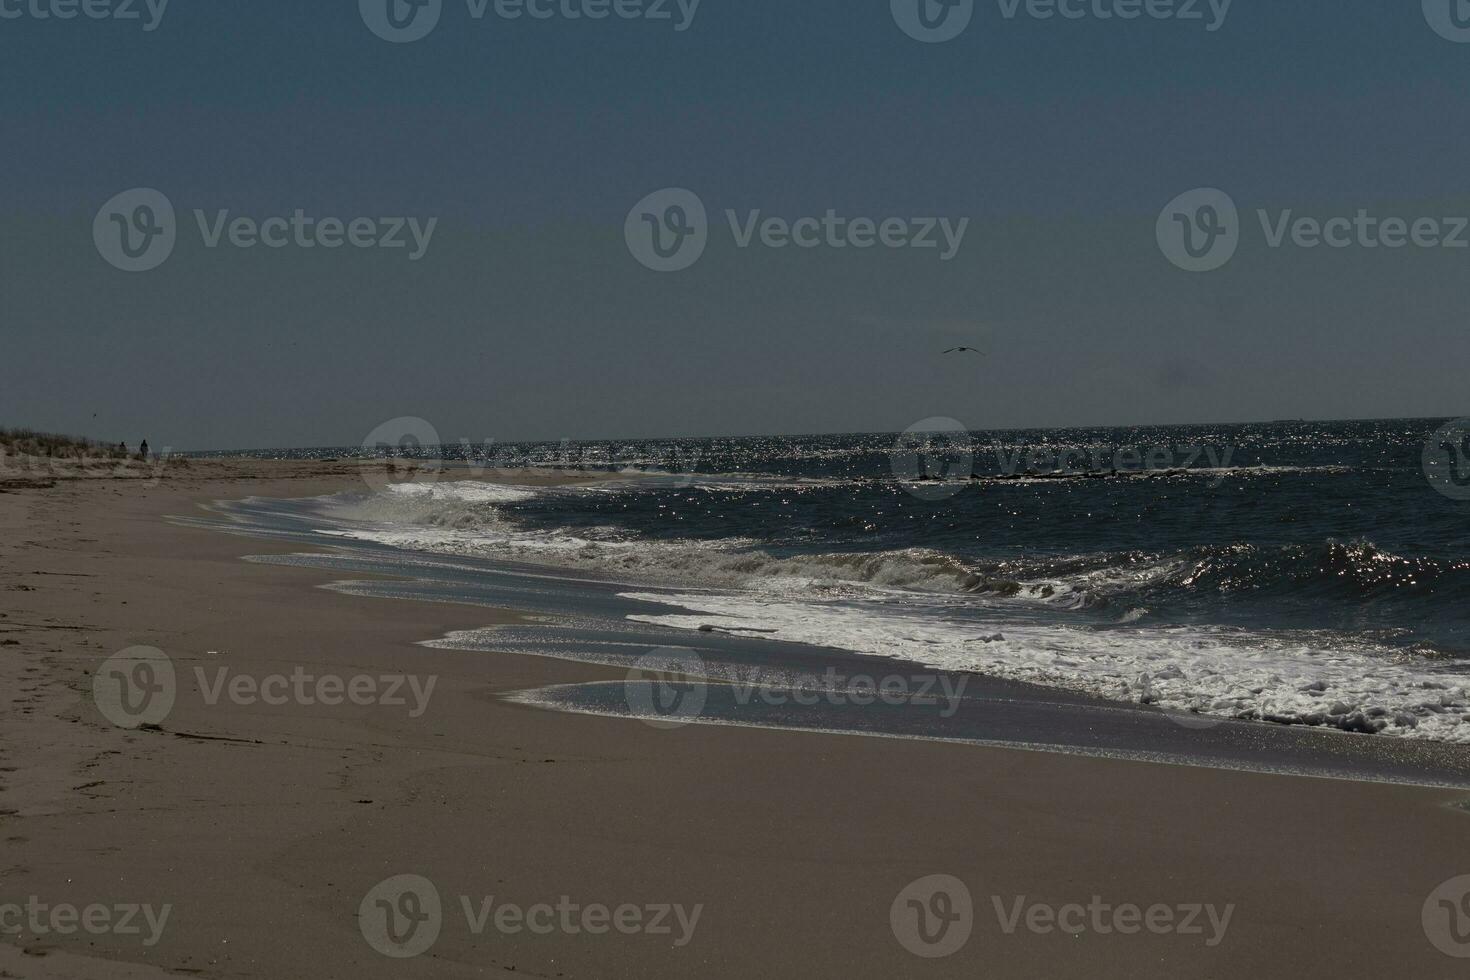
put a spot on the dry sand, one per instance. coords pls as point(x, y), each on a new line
point(263, 827)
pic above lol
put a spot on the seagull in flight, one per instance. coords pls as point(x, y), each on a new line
point(964, 350)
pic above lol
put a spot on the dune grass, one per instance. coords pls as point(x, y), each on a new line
point(52, 445)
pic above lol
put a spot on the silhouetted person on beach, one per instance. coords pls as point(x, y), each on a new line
point(143, 449)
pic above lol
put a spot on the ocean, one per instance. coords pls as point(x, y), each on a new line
point(1305, 573)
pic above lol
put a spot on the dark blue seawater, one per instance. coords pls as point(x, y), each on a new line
point(1329, 526)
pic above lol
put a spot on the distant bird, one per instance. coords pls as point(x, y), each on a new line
point(964, 350)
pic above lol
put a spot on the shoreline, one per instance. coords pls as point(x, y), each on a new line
point(251, 826)
point(744, 677)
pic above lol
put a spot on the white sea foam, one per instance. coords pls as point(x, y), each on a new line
point(464, 519)
point(459, 517)
point(930, 608)
point(1278, 677)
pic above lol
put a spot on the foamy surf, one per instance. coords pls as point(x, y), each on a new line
point(1304, 581)
point(1276, 678)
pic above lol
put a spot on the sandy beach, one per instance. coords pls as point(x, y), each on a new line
point(692, 489)
point(262, 828)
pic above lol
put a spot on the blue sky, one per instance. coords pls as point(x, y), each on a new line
point(529, 141)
